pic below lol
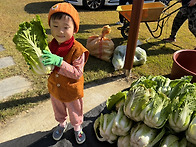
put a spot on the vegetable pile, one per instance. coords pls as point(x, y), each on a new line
point(154, 111)
point(30, 40)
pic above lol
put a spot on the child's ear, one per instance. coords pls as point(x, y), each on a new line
point(74, 31)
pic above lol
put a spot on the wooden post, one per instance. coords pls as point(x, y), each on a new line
point(135, 20)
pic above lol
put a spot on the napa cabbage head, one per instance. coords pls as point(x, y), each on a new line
point(121, 124)
point(162, 84)
point(124, 141)
point(173, 141)
point(146, 81)
point(142, 135)
point(183, 107)
point(103, 127)
point(191, 131)
point(170, 140)
point(30, 40)
point(158, 112)
point(116, 100)
point(136, 102)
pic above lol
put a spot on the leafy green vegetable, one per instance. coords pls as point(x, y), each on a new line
point(191, 131)
point(122, 124)
point(114, 99)
point(30, 40)
point(173, 141)
point(158, 112)
point(124, 141)
point(103, 127)
point(170, 141)
point(162, 84)
point(136, 102)
point(183, 105)
point(177, 84)
point(146, 81)
point(144, 136)
point(157, 105)
point(140, 56)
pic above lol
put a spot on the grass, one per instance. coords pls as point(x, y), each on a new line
point(13, 12)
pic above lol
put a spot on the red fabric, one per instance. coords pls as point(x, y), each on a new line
point(75, 112)
point(69, 89)
point(62, 49)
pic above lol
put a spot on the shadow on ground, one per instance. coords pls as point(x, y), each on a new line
point(68, 140)
point(34, 100)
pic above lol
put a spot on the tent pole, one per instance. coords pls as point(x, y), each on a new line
point(135, 20)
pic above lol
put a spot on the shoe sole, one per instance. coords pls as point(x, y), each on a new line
point(57, 139)
point(81, 141)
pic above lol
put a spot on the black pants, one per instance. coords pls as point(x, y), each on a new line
point(182, 15)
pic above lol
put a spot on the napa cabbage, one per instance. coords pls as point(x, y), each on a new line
point(191, 131)
point(183, 105)
point(30, 40)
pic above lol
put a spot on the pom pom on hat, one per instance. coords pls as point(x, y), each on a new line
point(65, 8)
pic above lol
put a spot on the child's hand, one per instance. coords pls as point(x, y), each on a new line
point(51, 59)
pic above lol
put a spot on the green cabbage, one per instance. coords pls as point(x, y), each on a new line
point(173, 141)
point(103, 127)
point(144, 136)
point(158, 112)
point(30, 40)
point(183, 105)
point(191, 131)
point(170, 141)
point(115, 99)
point(124, 141)
point(121, 124)
point(136, 102)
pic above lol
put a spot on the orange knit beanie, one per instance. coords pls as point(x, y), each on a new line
point(65, 8)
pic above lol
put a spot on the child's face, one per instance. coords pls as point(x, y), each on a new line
point(62, 29)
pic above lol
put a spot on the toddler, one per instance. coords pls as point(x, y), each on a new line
point(66, 82)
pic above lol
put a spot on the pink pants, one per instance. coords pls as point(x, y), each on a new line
point(75, 111)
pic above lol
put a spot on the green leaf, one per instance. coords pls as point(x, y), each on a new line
point(113, 99)
point(31, 40)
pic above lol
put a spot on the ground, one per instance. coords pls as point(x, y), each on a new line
point(33, 124)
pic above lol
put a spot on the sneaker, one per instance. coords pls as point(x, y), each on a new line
point(58, 132)
point(80, 136)
point(119, 23)
point(170, 39)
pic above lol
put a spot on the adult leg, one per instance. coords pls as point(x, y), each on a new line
point(180, 18)
point(192, 19)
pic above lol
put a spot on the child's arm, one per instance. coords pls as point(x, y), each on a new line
point(74, 71)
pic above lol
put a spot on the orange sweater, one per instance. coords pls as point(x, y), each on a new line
point(63, 88)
